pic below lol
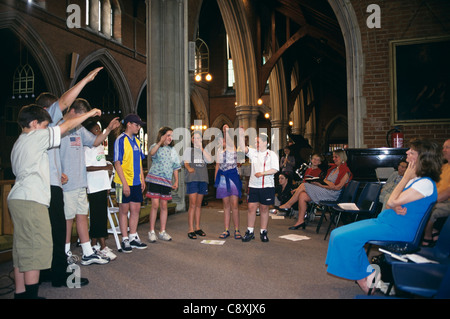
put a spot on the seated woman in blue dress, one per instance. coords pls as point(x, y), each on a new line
point(337, 177)
point(407, 204)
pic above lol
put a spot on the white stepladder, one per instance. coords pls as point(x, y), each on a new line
point(114, 211)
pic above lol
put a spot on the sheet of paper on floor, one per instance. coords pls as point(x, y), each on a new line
point(213, 242)
point(294, 237)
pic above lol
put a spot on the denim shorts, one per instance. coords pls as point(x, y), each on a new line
point(197, 187)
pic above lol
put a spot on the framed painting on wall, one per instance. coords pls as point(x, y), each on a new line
point(420, 81)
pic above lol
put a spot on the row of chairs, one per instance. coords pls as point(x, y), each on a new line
point(425, 280)
point(367, 202)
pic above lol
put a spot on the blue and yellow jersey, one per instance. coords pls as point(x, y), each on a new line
point(128, 152)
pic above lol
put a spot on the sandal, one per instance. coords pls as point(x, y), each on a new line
point(225, 234)
point(200, 232)
point(237, 234)
point(192, 235)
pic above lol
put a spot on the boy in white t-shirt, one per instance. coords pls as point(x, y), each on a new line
point(29, 198)
point(264, 164)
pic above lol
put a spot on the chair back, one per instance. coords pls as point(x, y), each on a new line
point(348, 195)
point(415, 244)
point(368, 200)
point(442, 248)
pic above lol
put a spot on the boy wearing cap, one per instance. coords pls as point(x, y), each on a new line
point(129, 179)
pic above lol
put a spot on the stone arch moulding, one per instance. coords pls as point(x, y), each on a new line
point(351, 32)
point(330, 125)
point(242, 51)
point(115, 72)
point(142, 90)
point(199, 106)
point(221, 120)
point(43, 56)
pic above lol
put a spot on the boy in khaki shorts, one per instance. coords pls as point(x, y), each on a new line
point(29, 198)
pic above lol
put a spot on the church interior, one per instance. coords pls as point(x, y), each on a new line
point(317, 75)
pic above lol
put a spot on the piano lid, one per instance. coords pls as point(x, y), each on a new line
point(363, 162)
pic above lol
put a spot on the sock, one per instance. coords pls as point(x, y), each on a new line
point(32, 291)
point(133, 236)
point(87, 248)
point(262, 230)
point(67, 248)
point(251, 229)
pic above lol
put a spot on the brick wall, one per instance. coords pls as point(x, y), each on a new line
point(400, 19)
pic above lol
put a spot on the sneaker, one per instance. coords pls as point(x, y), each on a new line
point(94, 259)
point(248, 236)
point(72, 259)
point(264, 237)
point(126, 247)
point(136, 243)
point(151, 236)
point(164, 236)
point(107, 253)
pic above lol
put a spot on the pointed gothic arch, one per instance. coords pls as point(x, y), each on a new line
point(351, 32)
point(41, 53)
point(201, 113)
point(117, 76)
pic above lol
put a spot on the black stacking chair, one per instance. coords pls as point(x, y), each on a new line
point(367, 204)
point(348, 195)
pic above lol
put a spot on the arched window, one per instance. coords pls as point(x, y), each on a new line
point(104, 17)
point(230, 67)
point(23, 81)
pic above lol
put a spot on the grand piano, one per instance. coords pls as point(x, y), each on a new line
point(363, 162)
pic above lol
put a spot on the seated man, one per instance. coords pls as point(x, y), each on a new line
point(391, 182)
point(442, 207)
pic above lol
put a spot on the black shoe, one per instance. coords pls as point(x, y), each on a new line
point(248, 236)
point(264, 237)
point(303, 225)
point(284, 210)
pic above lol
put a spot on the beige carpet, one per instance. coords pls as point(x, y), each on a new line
point(188, 269)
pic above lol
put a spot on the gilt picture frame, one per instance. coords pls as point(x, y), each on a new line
point(420, 81)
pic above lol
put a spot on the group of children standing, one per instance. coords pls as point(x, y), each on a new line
point(62, 174)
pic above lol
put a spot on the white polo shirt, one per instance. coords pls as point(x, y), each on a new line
point(262, 161)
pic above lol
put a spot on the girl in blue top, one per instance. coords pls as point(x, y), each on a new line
point(165, 165)
point(407, 204)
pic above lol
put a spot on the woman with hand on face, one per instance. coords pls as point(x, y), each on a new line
point(407, 204)
point(165, 165)
point(337, 176)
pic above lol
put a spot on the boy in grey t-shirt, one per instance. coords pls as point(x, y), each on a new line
point(73, 165)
